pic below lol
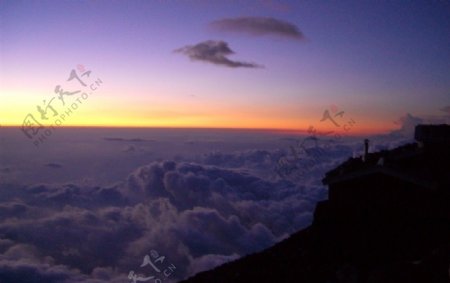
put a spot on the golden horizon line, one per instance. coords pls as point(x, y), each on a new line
point(286, 130)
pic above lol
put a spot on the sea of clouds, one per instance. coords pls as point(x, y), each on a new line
point(89, 205)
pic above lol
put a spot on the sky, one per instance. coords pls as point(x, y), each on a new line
point(224, 64)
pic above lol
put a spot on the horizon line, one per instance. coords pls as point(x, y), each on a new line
point(277, 130)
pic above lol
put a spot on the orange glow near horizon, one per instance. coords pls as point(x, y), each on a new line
point(376, 129)
point(108, 111)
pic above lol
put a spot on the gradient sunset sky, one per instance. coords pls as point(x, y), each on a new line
point(169, 63)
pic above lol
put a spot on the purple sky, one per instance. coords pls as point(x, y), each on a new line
point(374, 60)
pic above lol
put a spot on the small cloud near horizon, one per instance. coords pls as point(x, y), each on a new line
point(214, 52)
point(53, 165)
point(446, 109)
point(258, 26)
point(407, 123)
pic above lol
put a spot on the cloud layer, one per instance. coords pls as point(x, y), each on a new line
point(199, 211)
point(214, 52)
point(258, 26)
point(198, 216)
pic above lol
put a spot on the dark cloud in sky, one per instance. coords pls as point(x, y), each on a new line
point(258, 26)
point(214, 52)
